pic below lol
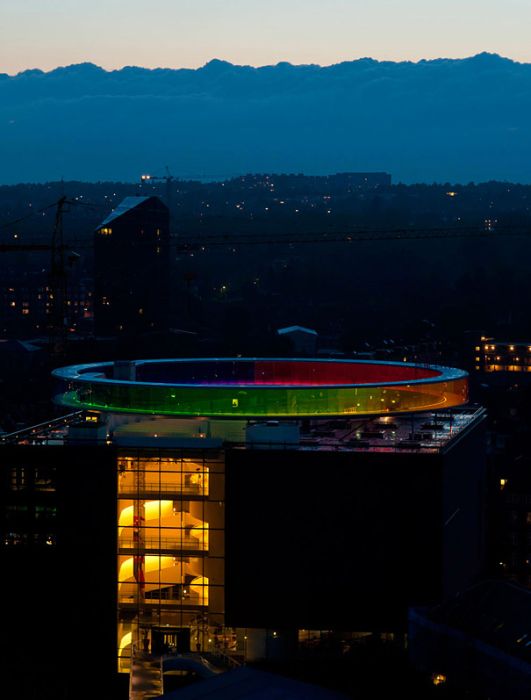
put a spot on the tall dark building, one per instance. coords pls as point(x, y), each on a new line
point(131, 260)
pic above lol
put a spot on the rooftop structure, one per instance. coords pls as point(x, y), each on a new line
point(258, 387)
point(125, 206)
point(296, 329)
point(431, 432)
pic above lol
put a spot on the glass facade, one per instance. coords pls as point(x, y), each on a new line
point(171, 550)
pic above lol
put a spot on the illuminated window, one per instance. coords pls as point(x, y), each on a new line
point(45, 512)
point(503, 483)
point(106, 231)
point(18, 480)
point(45, 479)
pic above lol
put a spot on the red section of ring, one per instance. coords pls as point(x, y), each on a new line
point(310, 373)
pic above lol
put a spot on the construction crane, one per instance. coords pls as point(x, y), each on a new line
point(190, 243)
point(60, 255)
point(351, 236)
point(168, 178)
point(58, 291)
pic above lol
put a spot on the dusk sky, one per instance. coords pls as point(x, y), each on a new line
point(188, 33)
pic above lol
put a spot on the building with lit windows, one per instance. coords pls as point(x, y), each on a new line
point(502, 356)
point(131, 268)
point(26, 300)
point(237, 507)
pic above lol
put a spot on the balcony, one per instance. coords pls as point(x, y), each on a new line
point(156, 489)
point(157, 545)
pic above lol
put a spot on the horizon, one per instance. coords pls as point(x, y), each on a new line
point(64, 182)
point(217, 59)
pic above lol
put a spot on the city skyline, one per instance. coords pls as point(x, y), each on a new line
point(250, 32)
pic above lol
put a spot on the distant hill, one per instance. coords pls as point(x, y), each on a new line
point(456, 120)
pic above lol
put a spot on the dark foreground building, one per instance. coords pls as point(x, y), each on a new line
point(478, 641)
point(224, 543)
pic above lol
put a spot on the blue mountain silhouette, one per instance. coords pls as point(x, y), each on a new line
point(439, 120)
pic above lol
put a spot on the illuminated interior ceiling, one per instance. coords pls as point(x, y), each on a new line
point(268, 388)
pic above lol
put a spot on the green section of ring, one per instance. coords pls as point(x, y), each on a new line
point(84, 389)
